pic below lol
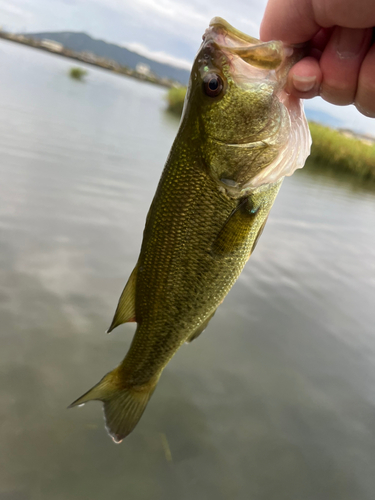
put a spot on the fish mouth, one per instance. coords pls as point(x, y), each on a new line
point(260, 68)
point(242, 38)
point(263, 55)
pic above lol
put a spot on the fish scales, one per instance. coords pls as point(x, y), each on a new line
point(240, 134)
point(177, 252)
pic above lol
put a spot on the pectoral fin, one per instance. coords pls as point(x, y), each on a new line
point(200, 329)
point(125, 311)
point(236, 230)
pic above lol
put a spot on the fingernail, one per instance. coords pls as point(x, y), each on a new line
point(304, 83)
point(350, 42)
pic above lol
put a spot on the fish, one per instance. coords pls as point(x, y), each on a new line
point(240, 134)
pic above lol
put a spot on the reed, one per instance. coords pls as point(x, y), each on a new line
point(175, 98)
point(77, 73)
point(336, 151)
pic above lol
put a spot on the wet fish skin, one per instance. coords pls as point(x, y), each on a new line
point(205, 218)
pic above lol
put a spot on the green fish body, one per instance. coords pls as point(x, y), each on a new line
point(240, 134)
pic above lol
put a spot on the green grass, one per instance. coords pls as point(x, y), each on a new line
point(331, 149)
point(338, 152)
point(77, 73)
point(175, 98)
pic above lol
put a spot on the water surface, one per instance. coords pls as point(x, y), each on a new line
point(275, 400)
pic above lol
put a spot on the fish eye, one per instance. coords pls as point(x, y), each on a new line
point(213, 85)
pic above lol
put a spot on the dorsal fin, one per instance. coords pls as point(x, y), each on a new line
point(125, 312)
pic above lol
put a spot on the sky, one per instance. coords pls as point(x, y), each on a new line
point(166, 30)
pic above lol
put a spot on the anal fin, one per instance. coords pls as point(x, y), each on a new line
point(125, 311)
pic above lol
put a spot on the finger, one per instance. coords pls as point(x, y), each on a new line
point(365, 96)
point(304, 78)
point(340, 64)
point(296, 21)
point(291, 21)
point(320, 40)
point(346, 13)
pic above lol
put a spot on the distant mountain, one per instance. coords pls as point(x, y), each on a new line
point(80, 42)
point(322, 117)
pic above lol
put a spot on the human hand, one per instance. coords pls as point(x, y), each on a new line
point(341, 64)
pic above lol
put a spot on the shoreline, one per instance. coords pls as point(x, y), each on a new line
point(92, 61)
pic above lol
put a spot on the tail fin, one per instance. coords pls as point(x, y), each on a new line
point(123, 406)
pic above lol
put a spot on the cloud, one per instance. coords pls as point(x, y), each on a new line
point(170, 9)
point(158, 55)
point(12, 9)
point(180, 12)
point(181, 20)
point(165, 30)
point(12, 13)
point(349, 116)
point(172, 27)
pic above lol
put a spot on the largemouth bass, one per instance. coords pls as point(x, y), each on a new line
point(240, 134)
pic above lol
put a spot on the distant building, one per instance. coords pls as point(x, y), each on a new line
point(88, 57)
point(113, 65)
point(166, 81)
point(143, 69)
point(365, 138)
point(52, 45)
point(21, 38)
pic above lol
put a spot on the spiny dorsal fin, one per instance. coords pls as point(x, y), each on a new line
point(125, 311)
point(200, 329)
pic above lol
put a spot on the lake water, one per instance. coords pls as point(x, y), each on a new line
point(276, 400)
